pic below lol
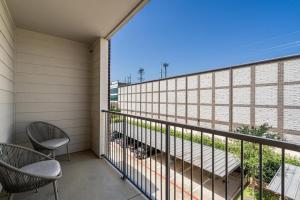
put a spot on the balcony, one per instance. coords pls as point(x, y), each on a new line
point(55, 67)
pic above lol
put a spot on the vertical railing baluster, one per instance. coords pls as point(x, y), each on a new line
point(191, 164)
point(146, 148)
point(155, 161)
point(282, 173)
point(174, 162)
point(242, 169)
point(260, 173)
point(132, 128)
point(114, 139)
point(120, 144)
point(130, 150)
point(167, 162)
point(226, 168)
point(134, 151)
point(182, 165)
point(213, 167)
point(124, 147)
point(201, 159)
point(150, 155)
point(105, 135)
point(161, 160)
point(110, 139)
point(142, 150)
point(137, 151)
point(127, 147)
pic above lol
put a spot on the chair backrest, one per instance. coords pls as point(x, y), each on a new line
point(42, 131)
point(12, 158)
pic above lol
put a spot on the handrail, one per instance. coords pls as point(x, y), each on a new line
point(249, 138)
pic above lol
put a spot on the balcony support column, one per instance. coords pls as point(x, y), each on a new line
point(99, 94)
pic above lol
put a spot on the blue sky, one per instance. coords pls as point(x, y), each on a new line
point(196, 35)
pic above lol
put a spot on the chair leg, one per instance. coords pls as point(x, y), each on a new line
point(53, 154)
point(55, 190)
point(67, 146)
point(10, 196)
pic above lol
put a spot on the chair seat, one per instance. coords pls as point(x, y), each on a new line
point(55, 143)
point(43, 168)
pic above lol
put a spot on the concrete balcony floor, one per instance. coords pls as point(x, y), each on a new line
point(85, 177)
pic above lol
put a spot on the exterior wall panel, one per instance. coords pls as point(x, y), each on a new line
point(53, 84)
point(7, 69)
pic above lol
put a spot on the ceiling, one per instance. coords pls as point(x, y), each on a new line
point(79, 20)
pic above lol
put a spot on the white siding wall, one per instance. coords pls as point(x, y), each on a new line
point(7, 52)
point(52, 83)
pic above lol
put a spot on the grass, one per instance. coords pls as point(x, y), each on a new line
point(251, 193)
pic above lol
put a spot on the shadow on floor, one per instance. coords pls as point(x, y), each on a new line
point(85, 177)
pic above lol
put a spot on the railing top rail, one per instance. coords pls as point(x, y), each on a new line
point(238, 136)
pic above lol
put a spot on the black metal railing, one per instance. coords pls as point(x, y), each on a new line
point(168, 160)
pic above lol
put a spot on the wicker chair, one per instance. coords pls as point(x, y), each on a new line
point(47, 137)
point(23, 169)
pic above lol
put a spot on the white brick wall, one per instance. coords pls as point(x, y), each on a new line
point(266, 73)
point(292, 95)
point(241, 95)
point(222, 78)
point(149, 97)
point(205, 124)
point(292, 70)
point(149, 87)
point(155, 86)
point(163, 85)
point(266, 115)
point(163, 96)
point(266, 95)
point(181, 97)
point(242, 76)
point(205, 112)
point(205, 96)
point(143, 86)
point(171, 97)
point(181, 83)
point(206, 80)
point(241, 115)
point(192, 82)
point(222, 113)
point(155, 97)
point(192, 97)
point(181, 110)
point(222, 96)
point(192, 111)
point(163, 108)
point(171, 84)
point(171, 109)
point(222, 127)
point(292, 119)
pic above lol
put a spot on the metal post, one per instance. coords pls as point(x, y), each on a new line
point(282, 173)
point(167, 162)
point(124, 148)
